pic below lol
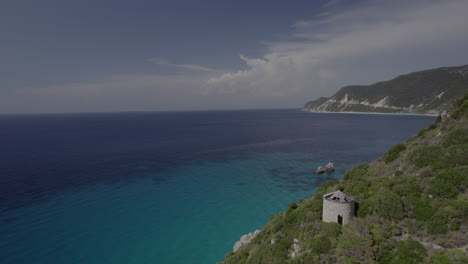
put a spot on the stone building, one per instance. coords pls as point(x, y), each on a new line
point(338, 207)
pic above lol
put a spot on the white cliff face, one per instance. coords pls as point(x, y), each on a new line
point(244, 240)
point(346, 100)
point(347, 104)
point(440, 95)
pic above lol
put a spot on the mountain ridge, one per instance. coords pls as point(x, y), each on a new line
point(425, 92)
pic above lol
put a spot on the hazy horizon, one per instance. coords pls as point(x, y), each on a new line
point(146, 56)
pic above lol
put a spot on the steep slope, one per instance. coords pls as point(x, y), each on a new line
point(424, 92)
point(412, 207)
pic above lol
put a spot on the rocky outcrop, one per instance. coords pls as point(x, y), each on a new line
point(329, 168)
point(296, 249)
point(244, 240)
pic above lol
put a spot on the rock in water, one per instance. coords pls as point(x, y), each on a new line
point(329, 168)
point(319, 170)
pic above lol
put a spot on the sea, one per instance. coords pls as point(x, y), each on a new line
point(168, 187)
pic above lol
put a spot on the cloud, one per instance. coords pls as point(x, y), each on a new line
point(365, 43)
point(192, 67)
point(358, 43)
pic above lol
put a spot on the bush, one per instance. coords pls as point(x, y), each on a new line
point(456, 136)
point(408, 252)
point(407, 187)
point(387, 204)
point(422, 210)
point(355, 243)
point(394, 153)
point(292, 206)
point(437, 225)
point(357, 189)
point(441, 259)
point(364, 208)
point(357, 172)
point(462, 110)
point(332, 230)
point(320, 245)
point(448, 183)
point(428, 156)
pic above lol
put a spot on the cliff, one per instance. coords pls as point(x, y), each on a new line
point(424, 92)
point(412, 207)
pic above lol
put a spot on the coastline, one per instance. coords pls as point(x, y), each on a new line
point(371, 113)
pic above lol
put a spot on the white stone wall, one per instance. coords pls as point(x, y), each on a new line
point(331, 210)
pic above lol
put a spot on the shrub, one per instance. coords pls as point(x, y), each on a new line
point(441, 259)
point(394, 152)
point(292, 206)
point(409, 251)
point(437, 225)
point(458, 155)
point(365, 208)
point(407, 187)
point(357, 188)
point(462, 110)
point(388, 205)
point(355, 243)
point(332, 230)
point(457, 135)
point(357, 172)
point(320, 245)
point(448, 183)
point(428, 156)
point(423, 210)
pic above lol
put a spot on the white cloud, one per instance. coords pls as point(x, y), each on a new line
point(373, 41)
point(359, 44)
point(192, 67)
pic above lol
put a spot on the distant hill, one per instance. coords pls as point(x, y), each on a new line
point(424, 92)
point(412, 207)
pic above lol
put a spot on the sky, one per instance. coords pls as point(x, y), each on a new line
point(60, 56)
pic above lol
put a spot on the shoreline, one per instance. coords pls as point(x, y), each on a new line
point(371, 113)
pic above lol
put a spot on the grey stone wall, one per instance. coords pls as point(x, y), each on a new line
point(331, 210)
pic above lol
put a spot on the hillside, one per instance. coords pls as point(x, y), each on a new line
point(412, 207)
point(424, 92)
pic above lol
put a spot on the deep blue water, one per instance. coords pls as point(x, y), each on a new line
point(169, 187)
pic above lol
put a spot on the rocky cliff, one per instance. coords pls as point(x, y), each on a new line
point(424, 92)
point(412, 207)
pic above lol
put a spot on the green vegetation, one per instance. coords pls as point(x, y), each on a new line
point(412, 207)
point(418, 92)
point(394, 152)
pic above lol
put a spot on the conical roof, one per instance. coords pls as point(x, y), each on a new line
point(338, 197)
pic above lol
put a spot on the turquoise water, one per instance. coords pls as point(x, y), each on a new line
point(167, 187)
point(140, 222)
